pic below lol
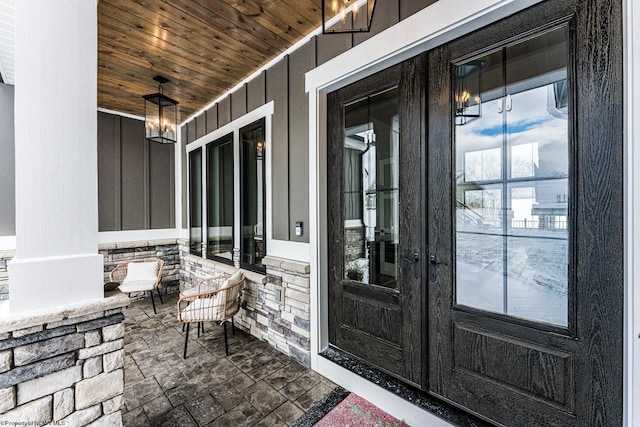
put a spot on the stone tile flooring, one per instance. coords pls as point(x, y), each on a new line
point(254, 386)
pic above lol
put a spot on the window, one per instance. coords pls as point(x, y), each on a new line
point(253, 209)
point(228, 216)
point(195, 202)
point(220, 199)
point(512, 145)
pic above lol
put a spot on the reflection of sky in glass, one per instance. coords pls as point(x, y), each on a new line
point(515, 266)
point(524, 125)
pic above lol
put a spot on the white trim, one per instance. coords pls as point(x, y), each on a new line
point(441, 22)
point(183, 233)
point(177, 182)
point(260, 112)
point(7, 243)
point(432, 26)
point(294, 251)
point(383, 399)
point(118, 113)
point(631, 55)
point(105, 237)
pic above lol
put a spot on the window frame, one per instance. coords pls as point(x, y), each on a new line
point(229, 138)
point(190, 185)
point(265, 113)
point(260, 123)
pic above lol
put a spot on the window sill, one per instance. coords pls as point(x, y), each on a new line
point(251, 276)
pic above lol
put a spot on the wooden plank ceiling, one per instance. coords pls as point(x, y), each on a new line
point(204, 47)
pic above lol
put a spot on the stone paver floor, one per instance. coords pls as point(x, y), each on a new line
point(255, 385)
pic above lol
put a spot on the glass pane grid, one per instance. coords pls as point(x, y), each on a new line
point(512, 184)
point(370, 190)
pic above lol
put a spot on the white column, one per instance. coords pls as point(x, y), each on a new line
point(57, 261)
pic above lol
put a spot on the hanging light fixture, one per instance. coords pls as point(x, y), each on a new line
point(468, 91)
point(160, 116)
point(347, 16)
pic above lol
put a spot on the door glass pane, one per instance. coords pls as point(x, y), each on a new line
point(220, 199)
point(512, 185)
point(195, 202)
point(370, 191)
point(253, 201)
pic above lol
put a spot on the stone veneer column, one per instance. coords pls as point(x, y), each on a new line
point(57, 260)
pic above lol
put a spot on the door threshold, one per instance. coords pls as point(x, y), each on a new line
point(423, 400)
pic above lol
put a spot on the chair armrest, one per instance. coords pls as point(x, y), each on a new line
point(119, 273)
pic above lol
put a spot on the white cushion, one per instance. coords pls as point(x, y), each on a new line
point(141, 271)
point(204, 309)
point(137, 285)
point(233, 279)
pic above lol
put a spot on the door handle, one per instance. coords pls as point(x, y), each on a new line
point(432, 265)
point(416, 263)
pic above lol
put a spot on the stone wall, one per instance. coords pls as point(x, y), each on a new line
point(166, 249)
point(57, 368)
point(5, 257)
point(283, 323)
point(354, 243)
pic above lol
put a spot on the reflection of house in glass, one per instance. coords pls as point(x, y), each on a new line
point(371, 187)
point(512, 188)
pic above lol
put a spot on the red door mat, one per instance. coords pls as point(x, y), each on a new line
point(355, 411)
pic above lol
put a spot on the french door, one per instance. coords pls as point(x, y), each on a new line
point(480, 257)
point(375, 227)
point(525, 218)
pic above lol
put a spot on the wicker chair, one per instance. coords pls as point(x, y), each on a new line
point(214, 299)
point(139, 275)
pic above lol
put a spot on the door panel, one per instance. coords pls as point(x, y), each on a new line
point(375, 290)
point(516, 331)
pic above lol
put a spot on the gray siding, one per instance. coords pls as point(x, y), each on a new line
point(277, 91)
point(201, 125)
point(409, 7)
point(109, 217)
point(7, 162)
point(239, 103)
point(224, 111)
point(283, 83)
point(133, 173)
point(135, 178)
point(386, 14)
point(300, 61)
point(161, 188)
point(256, 92)
point(185, 202)
point(212, 119)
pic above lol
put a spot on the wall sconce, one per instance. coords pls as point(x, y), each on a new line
point(347, 16)
point(160, 116)
point(467, 91)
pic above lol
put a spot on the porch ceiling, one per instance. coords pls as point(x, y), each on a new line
point(204, 47)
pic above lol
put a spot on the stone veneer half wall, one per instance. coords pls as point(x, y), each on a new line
point(5, 257)
point(166, 249)
point(64, 367)
point(284, 323)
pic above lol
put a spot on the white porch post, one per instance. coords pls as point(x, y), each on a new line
point(57, 261)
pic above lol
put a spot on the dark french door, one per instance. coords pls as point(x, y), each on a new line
point(480, 260)
point(375, 227)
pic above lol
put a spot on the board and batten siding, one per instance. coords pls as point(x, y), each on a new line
point(283, 83)
point(7, 162)
point(135, 177)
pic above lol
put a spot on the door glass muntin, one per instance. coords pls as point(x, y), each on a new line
point(512, 180)
point(370, 189)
